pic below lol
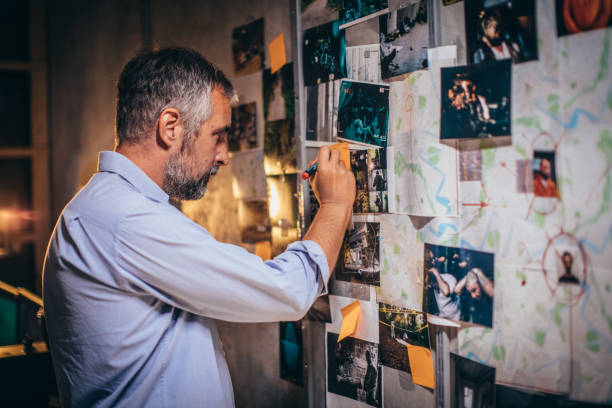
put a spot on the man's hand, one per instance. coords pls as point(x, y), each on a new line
point(333, 184)
point(334, 187)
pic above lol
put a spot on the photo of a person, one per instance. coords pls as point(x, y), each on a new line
point(500, 30)
point(458, 284)
point(544, 178)
point(568, 277)
point(476, 101)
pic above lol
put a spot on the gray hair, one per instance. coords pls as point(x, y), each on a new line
point(177, 78)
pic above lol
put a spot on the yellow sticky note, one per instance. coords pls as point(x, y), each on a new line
point(421, 365)
point(263, 250)
point(345, 155)
point(350, 315)
point(278, 58)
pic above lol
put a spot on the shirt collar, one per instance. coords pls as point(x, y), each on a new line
point(114, 162)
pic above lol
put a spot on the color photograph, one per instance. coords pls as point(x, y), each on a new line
point(476, 101)
point(474, 383)
point(278, 95)
point(324, 54)
point(354, 370)
point(291, 362)
point(352, 10)
point(279, 147)
point(363, 113)
point(404, 39)
point(499, 30)
point(458, 284)
point(248, 48)
point(578, 16)
point(470, 165)
point(243, 131)
point(397, 328)
point(544, 174)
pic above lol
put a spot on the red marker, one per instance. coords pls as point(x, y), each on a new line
point(309, 171)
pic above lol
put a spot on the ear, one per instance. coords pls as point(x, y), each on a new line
point(170, 129)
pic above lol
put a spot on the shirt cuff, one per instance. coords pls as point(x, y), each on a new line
point(316, 254)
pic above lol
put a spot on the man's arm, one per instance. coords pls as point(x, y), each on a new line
point(334, 187)
point(461, 284)
point(444, 288)
point(485, 283)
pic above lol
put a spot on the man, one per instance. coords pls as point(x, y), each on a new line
point(370, 381)
point(131, 285)
point(568, 277)
point(494, 44)
point(478, 306)
point(443, 287)
point(543, 184)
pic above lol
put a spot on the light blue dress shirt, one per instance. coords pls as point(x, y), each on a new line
point(131, 288)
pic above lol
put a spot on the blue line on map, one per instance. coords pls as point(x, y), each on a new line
point(573, 122)
point(442, 228)
point(466, 244)
point(443, 201)
point(593, 247)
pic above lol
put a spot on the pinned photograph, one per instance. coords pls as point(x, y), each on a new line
point(354, 370)
point(501, 29)
point(397, 328)
point(248, 47)
point(352, 10)
point(321, 111)
point(279, 147)
point(291, 362)
point(568, 269)
point(404, 39)
point(361, 254)
point(363, 113)
point(458, 284)
point(324, 54)
point(544, 174)
point(476, 101)
point(254, 221)
point(243, 131)
point(317, 12)
point(578, 16)
point(320, 311)
point(474, 385)
point(470, 165)
point(370, 170)
point(524, 176)
point(278, 95)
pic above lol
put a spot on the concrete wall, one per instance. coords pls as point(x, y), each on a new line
point(89, 42)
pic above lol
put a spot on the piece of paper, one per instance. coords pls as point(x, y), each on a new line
point(345, 156)
point(278, 58)
point(350, 315)
point(421, 365)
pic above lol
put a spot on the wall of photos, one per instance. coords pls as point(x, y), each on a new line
point(481, 145)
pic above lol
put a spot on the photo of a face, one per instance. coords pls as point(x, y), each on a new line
point(476, 101)
point(459, 284)
point(500, 30)
point(574, 16)
point(544, 174)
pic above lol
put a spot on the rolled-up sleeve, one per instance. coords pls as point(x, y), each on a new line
point(163, 253)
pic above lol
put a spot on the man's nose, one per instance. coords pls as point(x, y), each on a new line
point(222, 158)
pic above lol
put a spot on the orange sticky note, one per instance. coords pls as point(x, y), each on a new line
point(421, 365)
point(350, 315)
point(263, 250)
point(345, 155)
point(278, 58)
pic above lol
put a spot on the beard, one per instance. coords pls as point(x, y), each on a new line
point(179, 181)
